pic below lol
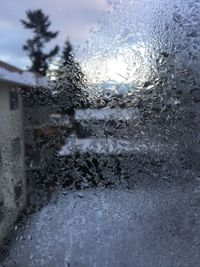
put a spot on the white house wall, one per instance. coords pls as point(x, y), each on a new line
point(12, 172)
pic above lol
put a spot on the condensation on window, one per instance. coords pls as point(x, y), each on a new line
point(102, 144)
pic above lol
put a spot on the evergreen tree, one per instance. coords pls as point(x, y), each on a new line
point(70, 83)
point(39, 23)
point(67, 54)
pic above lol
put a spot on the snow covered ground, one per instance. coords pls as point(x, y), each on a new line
point(152, 227)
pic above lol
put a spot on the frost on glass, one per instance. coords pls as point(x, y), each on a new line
point(126, 110)
point(141, 78)
point(123, 113)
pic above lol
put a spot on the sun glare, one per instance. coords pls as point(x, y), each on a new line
point(116, 69)
point(107, 69)
point(129, 66)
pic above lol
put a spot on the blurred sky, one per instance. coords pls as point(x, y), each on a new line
point(72, 18)
point(115, 37)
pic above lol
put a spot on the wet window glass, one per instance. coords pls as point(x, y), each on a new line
point(99, 133)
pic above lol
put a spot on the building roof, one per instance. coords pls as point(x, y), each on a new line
point(107, 146)
point(105, 114)
point(9, 67)
point(14, 75)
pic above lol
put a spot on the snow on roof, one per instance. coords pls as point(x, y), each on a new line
point(58, 120)
point(106, 114)
point(103, 146)
point(14, 75)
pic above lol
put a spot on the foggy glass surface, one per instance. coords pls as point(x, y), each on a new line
point(100, 148)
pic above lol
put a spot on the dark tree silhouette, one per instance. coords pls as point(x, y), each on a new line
point(70, 83)
point(67, 54)
point(39, 23)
